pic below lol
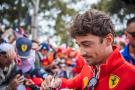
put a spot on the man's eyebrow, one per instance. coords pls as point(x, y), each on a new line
point(86, 42)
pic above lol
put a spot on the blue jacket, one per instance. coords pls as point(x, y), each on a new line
point(127, 56)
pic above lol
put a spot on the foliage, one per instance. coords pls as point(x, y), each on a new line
point(12, 11)
point(123, 9)
point(17, 12)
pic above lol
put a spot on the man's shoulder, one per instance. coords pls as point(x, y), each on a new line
point(129, 67)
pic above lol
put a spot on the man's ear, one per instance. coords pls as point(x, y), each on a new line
point(126, 34)
point(109, 39)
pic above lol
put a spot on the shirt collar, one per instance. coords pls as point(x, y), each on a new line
point(112, 62)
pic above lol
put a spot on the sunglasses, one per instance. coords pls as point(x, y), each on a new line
point(131, 33)
point(2, 52)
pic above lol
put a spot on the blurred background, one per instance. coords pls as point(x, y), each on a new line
point(48, 20)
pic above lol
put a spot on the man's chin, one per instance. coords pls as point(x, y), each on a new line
point(90, 63)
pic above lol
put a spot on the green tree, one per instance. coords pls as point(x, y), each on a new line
point(17, 12)
point(123, 9)
point(12, 11)
point(64, 11)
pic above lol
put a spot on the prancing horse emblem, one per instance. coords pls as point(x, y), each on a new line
point(113, 81)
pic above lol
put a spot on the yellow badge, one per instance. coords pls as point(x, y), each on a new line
point(24, 47)
point(113, 81)
point(85, 81)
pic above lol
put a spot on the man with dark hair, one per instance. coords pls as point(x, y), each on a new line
point(106, 69)
point(129, 51)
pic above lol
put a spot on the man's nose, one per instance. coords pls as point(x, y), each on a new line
point(82, 52)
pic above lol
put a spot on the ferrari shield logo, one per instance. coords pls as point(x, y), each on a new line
point(85, 81)
point(113, 81)
point(24, 47)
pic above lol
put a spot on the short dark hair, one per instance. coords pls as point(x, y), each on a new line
point(130, 20)
point(92, 22)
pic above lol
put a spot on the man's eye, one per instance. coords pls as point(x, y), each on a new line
point(86, 45)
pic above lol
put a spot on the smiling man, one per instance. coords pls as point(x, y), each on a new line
point(106, 69)
point(129, 51)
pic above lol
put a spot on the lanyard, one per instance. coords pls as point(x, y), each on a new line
point(93, 81)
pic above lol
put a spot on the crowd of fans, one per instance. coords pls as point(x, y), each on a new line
point(36, 60)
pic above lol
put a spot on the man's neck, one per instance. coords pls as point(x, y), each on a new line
point(107, 54)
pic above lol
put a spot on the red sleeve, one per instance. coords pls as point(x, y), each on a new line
point(80, 62)
point(76, 82)
point(79, 81)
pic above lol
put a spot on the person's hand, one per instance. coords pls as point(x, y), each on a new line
point(16, 81)
point(29, 82)
point(50, 82)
